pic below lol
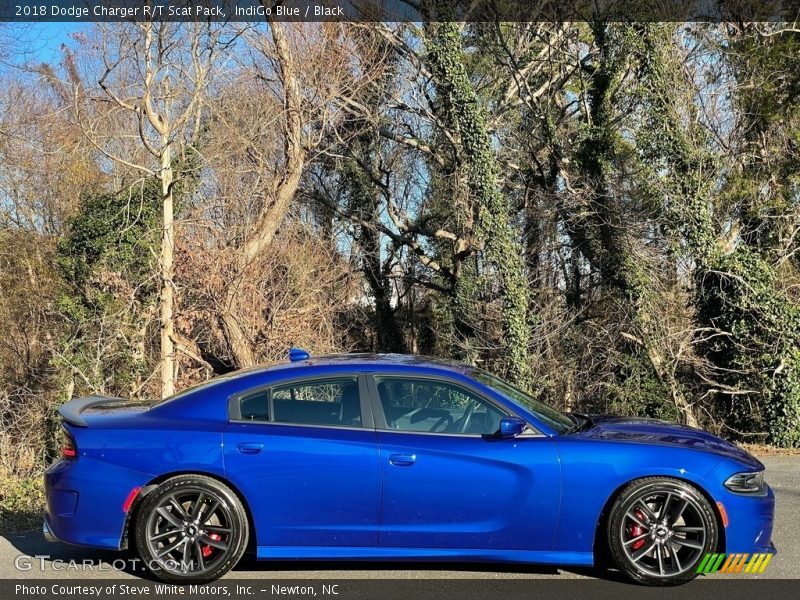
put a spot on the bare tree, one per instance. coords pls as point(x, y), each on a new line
point(156, 76)
point(303, 74)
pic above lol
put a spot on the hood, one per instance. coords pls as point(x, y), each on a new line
point(654, 431)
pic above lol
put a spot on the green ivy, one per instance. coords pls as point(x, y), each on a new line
point(111, 244)
point(493, 226)
point(760, 347)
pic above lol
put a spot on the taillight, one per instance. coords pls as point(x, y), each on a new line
point(68, 449)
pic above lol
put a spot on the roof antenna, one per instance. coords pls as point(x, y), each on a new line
point(297, 354)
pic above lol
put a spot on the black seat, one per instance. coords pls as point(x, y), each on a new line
point(390, 412)
point(350, 408)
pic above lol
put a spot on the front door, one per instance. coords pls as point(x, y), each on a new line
point(306, 458)
point(449, 481)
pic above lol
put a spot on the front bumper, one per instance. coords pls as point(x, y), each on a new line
point(751, 520)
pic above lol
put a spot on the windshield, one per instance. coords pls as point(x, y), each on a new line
point(556, 420)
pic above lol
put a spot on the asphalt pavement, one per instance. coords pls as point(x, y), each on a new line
point(28, 556)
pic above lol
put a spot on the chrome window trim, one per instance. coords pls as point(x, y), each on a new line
point(528, 433)
point(282, 424)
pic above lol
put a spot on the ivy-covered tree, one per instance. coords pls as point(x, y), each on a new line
point(755, 345)
point(493, 227)
point(107, 262)
point(747, 292)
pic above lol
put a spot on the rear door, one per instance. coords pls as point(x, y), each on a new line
point(305, 455)
point(449, 481)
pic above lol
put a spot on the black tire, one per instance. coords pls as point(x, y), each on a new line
point(660, 529)
point(191, 529)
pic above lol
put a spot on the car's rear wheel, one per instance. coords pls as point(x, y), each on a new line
point(660, 529)
point(191, 528)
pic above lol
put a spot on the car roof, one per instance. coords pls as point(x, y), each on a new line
point(366, 360)
point(360, 360)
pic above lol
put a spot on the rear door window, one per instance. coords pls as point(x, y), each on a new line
point(319, 402)
point(255, 407)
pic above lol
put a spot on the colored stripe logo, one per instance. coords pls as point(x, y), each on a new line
point(734, 563)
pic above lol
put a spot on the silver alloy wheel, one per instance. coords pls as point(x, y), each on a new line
point(189, 530)
point(663, 533)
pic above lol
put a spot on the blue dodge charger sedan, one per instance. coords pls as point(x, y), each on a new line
point(363, 456)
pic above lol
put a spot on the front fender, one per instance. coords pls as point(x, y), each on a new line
point(593, 471)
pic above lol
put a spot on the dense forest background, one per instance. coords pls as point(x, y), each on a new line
point(606, 213)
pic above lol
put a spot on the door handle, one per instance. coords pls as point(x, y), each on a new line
point(249, 447)
point(402, 460)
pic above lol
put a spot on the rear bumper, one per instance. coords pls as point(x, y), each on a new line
point(84, 502)
point(48, 533)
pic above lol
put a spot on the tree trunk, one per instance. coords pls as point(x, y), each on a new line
point(167, 284)
point(271, 217)
point(240, 346)
point(666, 377)
point(389, 333)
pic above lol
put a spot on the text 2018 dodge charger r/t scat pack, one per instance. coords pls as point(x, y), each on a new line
point(395, 457)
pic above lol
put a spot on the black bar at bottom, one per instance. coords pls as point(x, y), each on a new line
point(267, 588)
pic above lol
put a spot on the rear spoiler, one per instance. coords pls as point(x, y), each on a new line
point(71, 411)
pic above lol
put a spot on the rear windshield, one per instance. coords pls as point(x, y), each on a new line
point(203, 384)
point(210, 383)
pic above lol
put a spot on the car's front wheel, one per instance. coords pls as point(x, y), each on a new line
point(660, 529)
point(191, 528)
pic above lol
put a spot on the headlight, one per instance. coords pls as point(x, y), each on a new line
point(746, 483)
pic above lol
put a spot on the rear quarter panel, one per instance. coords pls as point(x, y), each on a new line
point(85, 497)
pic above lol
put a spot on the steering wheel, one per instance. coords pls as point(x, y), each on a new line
point(467, 418)
point(416, 411)
point(446, 420)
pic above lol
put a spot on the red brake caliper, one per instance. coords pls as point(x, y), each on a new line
point(636, 530)
point(207, 549)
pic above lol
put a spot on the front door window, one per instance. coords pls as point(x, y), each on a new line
point(429, 406)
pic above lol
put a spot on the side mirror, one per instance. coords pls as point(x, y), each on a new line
point(511, 427)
